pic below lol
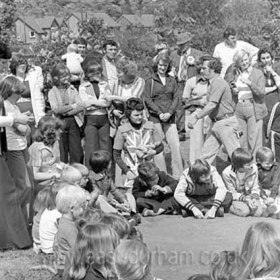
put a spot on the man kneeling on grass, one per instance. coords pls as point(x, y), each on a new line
point(202, 193)
point(154, 190)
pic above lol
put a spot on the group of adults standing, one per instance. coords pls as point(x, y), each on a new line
point(228, 96)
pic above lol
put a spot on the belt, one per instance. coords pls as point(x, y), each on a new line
point(225, 116)
point(246, 100)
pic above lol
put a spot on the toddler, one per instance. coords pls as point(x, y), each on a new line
point(73, 62)
point(71, 175)
point(269, 180)
point(241, 179)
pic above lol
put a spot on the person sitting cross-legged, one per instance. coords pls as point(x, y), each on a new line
point(201, 192)
point(153, 191)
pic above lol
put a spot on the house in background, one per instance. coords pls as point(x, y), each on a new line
point(75, 18)
point(136, 21)
point(32, 29)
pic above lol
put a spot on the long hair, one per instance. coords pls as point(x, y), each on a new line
point(94, 246)
point(47, 130)
point(132, 260)
point(261, 251)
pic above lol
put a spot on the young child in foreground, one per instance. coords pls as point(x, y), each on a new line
point(153, 191)
point(71, 201)
point(241, 179)
point(73, 62)
point(269, 180)
point(132, 260)
point(201, 192)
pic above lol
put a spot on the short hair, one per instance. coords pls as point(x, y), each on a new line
point(240, 157)
point(72, 48)
point(199, 168)
point(215, 64)
point(68, 197)
point(70, 174)
point(80, 41)
point(11, 85)
point(264, 153)
point(16, 60)
point(229, 31)
point(57, 72)
point(238, 56)
point(90, 64)
point(99, 160)
point(109, 43)
point(147, 170)
point(262, 51)
point(82, 168)
point(90, 216)
point(132, 260)
point(53, 191)
point(165, 58)
point(118, 223)
point(132, 104)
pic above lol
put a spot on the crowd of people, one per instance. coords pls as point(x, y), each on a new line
point(81, 175)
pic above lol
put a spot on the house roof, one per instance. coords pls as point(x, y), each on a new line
point(38, 24)
point(145, 20)
point(108, 21)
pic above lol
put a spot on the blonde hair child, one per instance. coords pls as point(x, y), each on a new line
point(132, 260)
point(261, 251)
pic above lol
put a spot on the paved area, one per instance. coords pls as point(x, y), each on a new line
point(182, 247)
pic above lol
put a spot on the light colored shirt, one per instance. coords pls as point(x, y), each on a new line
point(226, 53)
point(48, 229)
point(112, 75)
point(15, 141)
point(73, 62)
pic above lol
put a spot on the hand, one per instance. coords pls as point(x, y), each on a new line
point(268, 68)
point(161, 116)
point(235, 90)
point(211, 213)
point(246, 81)
point(130, 175)
point(157, 188)
point(117, 113)
point(192, 121)
point(150, 152)
point(149, 193)
point(197, 213)
point(166, 117)
point(252, 203)
point(25, 118)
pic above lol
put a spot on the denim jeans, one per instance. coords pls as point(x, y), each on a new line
point(223, 132)
point(172, 138)
point(252, 129)
point(70, 142)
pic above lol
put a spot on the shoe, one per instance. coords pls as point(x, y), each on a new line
point(148, 213)
point(220, 212)
point(137, 218)
point(184, 213)
point(175, 212)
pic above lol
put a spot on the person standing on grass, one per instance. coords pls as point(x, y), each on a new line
point(220, 108)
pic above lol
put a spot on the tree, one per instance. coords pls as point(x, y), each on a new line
point(7, 14)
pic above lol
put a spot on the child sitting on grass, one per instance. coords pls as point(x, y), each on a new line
point(71, 201)
point(153, 191)
point(110, 199)
point(201, 192)
point(241, 179)
point(269, 180)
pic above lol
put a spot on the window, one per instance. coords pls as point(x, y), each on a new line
point(32, 34)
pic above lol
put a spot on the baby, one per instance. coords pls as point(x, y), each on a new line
point(73, 62)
